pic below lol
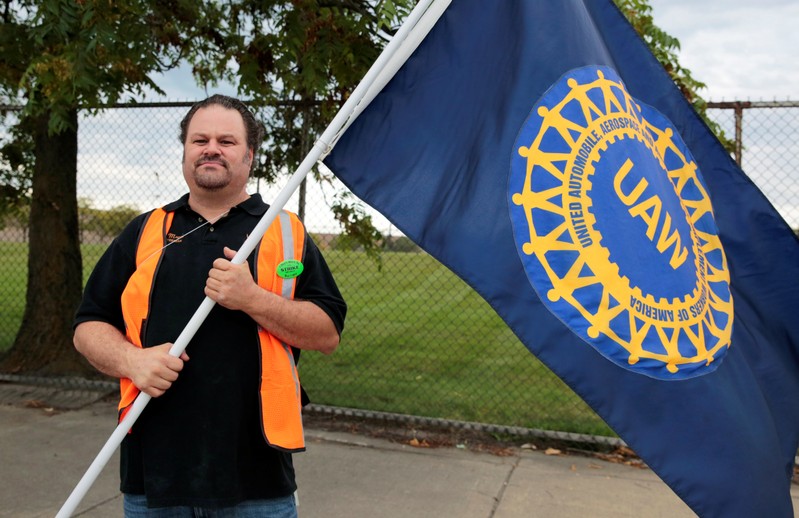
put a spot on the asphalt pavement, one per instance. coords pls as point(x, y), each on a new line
point(49, 437)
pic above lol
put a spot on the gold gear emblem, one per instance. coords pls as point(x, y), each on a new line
point(692, 329)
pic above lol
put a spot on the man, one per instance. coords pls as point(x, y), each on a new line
point(217, 438)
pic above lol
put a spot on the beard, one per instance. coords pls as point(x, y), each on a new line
point(212, 179)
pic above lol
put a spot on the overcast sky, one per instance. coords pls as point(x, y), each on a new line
point(741, 49)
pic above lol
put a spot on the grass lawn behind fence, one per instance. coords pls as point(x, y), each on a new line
point(13, 280)
point(417, 341)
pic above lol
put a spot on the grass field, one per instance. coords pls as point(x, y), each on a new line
point(13, 279)
point(417, 341)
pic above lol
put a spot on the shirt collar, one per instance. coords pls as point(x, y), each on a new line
point(253, 205)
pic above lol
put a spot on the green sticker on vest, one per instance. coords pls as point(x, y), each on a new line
point(289, 269)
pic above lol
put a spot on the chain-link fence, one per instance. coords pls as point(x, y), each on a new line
point(766, 136)
point(418, 341)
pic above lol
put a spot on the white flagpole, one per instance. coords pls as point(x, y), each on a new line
point(320, 149)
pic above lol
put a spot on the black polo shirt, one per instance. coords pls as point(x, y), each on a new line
point(201, 444)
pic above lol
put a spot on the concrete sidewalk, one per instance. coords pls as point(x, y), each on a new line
point(45, 452)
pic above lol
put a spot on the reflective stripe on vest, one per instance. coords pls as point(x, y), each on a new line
point(279, 388)
point(280, 394)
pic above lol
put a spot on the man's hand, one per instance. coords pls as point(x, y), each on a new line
point(300, 323)
point(153, 369)
point(231, 285)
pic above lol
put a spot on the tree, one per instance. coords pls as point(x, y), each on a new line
point(104, 223)
point(61, 56)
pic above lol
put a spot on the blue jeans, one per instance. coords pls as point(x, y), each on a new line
point(285, 507)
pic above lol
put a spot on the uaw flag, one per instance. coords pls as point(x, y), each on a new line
point(538, 150)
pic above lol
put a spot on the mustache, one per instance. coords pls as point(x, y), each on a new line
point(211, 160)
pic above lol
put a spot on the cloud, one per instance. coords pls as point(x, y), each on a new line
point(741, 50)
point(179, 85)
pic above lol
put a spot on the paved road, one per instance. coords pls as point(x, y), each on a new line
point(44, 453)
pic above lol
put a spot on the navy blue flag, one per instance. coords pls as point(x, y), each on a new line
point(538, 150)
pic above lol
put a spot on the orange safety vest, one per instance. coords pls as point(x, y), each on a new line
point(280, 393)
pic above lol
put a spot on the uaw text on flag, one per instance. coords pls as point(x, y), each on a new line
point(539, 150)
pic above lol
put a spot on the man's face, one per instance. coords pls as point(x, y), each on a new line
point(215, 154)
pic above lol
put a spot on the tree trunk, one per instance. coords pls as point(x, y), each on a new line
point(43, 345)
